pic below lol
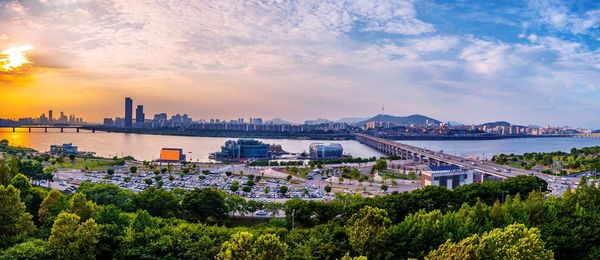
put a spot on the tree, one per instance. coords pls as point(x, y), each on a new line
point(246, 189)
point(235, 186)
point(268, 246)
point(202, 204)
point(244, 245)
point(267, 189)
point(71, 240)
point(14, 220)
point(21, 182)
point(366, 229)
point(289, 177)
point(80, 206)
point(328, 189)
point(35, 249)
point(110, 172)
point(283, 190)
point(516, 241)
point(50, 205)
point(158, 202)
point(239, 246)
point(8, 169)
point(384, 187)
point(133, 169)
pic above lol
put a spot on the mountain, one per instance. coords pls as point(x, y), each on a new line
point(278, 121)
point(454, 123)
point(317, 121)
point(403, 120)
point(351, 120)
point(495, 124)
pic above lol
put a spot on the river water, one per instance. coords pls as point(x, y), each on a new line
point(147, 147)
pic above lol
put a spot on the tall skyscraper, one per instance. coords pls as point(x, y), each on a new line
point(128, 112)
point(140, 117)
point(50, 117)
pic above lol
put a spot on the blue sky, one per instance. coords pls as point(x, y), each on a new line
point(525, 62)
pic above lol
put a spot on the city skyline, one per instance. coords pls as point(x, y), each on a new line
point(525, 62)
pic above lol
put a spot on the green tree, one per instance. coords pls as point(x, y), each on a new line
point(21, 182)
point(80, 206)
point(235, 186)
point(110, 172)
point(268, 246)
point(239, 246)
point(204, 205)
point(158, 202)
point(50, 205)
point(246, 189)
point(14, 220)
point(8, 169)
point(366, 229)
point(35, 249)
point(133, 169)
point(245, 246)
point(516, 241)
point(71, 240)
point(328, 189)
point(283, 190)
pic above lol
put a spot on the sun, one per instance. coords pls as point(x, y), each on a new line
point(14, 57)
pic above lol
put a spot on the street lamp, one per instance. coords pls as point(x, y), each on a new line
point(503, 195)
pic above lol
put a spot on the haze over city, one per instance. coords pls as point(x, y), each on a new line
point(527, 62)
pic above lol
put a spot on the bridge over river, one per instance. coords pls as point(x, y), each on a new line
point(439, 158)
point(62, 128)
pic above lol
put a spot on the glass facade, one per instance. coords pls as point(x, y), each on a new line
point(322, 151)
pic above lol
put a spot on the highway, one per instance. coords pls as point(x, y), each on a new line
point(486, 167)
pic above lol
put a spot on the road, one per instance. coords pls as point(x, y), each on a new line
point(486, 167)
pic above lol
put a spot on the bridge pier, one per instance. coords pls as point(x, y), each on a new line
point(14, 129)
point(45, 129)
point(77, 129)
point(30, 129)
point(62, 130)
point(93, 130)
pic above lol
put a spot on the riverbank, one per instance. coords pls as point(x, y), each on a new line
point(299, 135)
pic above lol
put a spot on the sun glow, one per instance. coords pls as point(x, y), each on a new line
point(13, 58)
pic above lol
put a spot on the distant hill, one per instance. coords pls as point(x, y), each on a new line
point(351, 120)
point(495, 124)
point(317, 121)
point(454, 123)
point(404, 120)
point(278, 121)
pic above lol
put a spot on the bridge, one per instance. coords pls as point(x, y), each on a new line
point(46, 127)
point(429, 157)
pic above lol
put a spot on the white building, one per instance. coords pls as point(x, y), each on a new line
point(449, 176)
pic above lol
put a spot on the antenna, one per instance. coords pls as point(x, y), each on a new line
point(382, 110)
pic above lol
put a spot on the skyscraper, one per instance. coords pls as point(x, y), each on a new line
point(128, 112)
point(50, 116)
point(140, 117)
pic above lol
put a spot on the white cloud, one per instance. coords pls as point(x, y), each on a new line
point(323, 55)
point(560, 18)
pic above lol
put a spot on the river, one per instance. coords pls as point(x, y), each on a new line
point(147, 147)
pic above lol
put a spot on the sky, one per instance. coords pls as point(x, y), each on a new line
point(526, 62)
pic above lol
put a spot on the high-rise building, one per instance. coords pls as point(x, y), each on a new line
point(50, 118)
point(128, 112)
point(140, 117)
